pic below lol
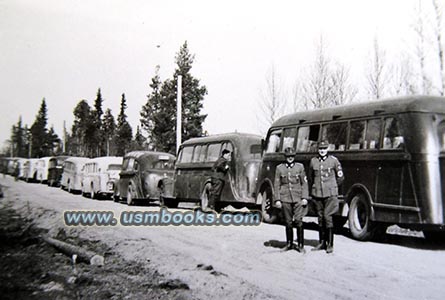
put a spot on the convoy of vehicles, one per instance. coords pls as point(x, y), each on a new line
point(392, 153)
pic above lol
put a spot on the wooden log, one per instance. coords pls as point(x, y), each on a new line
point(82, 254)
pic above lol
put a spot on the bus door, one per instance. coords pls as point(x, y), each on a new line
point(393, 173)
point(231, 179)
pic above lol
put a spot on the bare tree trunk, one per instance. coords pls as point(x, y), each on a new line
point(377, 73)
point(438, 39)
point(419, 29)
point(272, 100)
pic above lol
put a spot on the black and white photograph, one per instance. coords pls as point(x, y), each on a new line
point(194, 150)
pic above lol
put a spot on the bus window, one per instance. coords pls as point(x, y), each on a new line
point(441, 131)
point(186, 156)
point(335, 134)
point(307, 139)
point(289, 135)
point(356, 136)
point(196, 153)
point(372, 140)
point(213, 151)
point(273, 143)
point(393, 139)
point(202, 155)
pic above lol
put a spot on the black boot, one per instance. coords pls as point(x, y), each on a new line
point(300, 238)
point(330, 243)
point(289, 239)
point(321, 239)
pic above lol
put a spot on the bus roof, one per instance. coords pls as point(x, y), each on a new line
point(366, 109)
point(236, 136)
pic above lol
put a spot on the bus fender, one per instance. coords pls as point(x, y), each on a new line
point(354, 190)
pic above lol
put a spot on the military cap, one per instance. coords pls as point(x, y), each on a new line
point(323, 145)
point(289, 151)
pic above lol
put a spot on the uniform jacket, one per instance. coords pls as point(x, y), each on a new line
point(325, 175)
point(290, 183)
point(220, 168)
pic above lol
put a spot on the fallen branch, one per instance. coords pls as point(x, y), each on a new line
point(82, 254)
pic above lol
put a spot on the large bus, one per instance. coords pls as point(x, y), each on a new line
point(392, 153)
point(193, 170)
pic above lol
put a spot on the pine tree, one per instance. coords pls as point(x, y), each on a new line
point(97, 130)
point(39, 142)
point(139, 140)
point(152, 112)
point(124, 133)
point(19, 139)
point(79, 141)
point(54, 143)
point(158, 116)
point(109, 131)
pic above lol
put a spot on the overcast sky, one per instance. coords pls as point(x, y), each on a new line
point(64, 50)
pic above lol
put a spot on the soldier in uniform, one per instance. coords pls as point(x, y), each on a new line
point(220, 168)
point(291, 194)
point(325, 174)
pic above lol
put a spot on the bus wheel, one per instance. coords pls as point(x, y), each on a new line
point(130, 200)
point(359, 218)
point(204, 199)
point(267, 210)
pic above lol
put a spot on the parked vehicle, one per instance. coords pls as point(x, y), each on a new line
point(55, 169)
point(393, 158)
point(72, 174)
point(42, 169)
point(193, 170)
point(30, 170)
point(19, 168)
point(100, 176)
point(143, 174)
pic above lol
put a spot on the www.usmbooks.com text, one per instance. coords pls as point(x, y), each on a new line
point(163, 217)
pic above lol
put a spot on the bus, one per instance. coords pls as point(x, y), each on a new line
point(393, 158)
point(193, 170)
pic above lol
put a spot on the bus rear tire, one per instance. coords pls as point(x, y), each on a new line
point(359, 218)
point(268, 212)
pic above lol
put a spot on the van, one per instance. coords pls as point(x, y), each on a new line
point(55, 169)
point(193, 170)
point(100, 175)
point(72, 174)
point(142, 175)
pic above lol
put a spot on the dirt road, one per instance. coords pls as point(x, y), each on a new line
point(245, 262)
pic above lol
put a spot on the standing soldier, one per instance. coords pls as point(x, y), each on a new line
point(220, 169)
point(291, 193)
point(325, 174)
